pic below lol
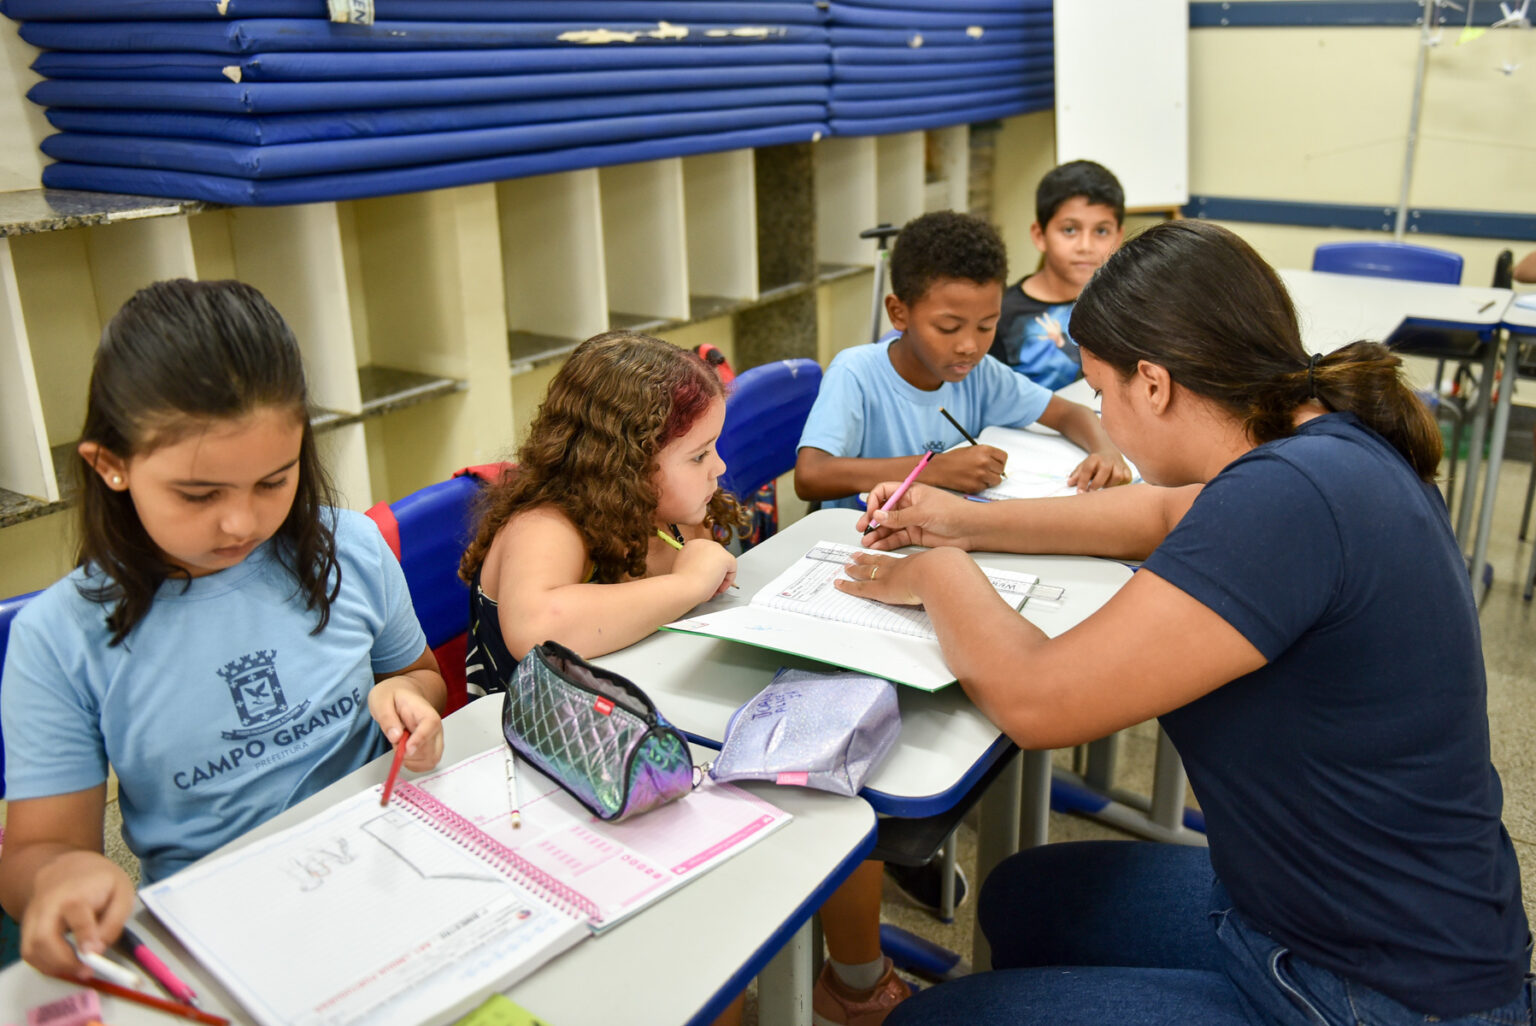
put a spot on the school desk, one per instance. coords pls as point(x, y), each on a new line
point(1336, 309)
point(946, 744)
point(679, 961)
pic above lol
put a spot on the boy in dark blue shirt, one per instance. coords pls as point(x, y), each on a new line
point(1079, 222)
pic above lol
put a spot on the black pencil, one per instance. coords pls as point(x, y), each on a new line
point(963, 432)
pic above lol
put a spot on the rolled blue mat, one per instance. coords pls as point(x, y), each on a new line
point(955, 103)
point(884, 55)
point(782, 11)
point(842, 35)
point(934, 15)
point(936, 86)
point(289, 160)
point(286, 97)
point(920, 8)
point(911, 72)
point(365, 64)
point(353, 124)
point(922, 122)
point(254, 35)
point(364, 184)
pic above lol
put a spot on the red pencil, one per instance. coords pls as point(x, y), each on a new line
point(148, 1000)
point(394, 767)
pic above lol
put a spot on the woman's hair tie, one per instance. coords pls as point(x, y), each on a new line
point(1312, 375)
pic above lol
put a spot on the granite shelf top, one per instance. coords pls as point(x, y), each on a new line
point(529, 349)
point(46, 210)
point(386, 389)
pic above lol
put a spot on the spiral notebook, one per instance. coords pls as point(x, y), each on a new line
point(411, 913)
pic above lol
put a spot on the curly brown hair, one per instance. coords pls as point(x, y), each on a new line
point(591, 451)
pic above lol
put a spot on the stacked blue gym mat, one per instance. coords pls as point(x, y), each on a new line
point(270, 102)
point(904, 65)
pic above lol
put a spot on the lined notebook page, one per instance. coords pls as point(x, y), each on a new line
point(806, 588)
point(360, 914)
point(619, 868)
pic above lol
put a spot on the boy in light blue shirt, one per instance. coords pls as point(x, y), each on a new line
point(878, 409)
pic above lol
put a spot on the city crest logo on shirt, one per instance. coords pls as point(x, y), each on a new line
point(257, 694)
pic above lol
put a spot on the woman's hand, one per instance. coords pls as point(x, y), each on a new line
point(79, 892)
point(709, 564)
point(887, 579)
point(922, 516)
point(397, 704)
point(1100, 470)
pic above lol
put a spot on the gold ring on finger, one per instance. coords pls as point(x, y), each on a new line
point(872, 573)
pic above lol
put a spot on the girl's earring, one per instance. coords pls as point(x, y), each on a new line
point(117, 480)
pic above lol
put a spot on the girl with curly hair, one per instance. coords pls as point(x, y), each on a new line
point(613, 523)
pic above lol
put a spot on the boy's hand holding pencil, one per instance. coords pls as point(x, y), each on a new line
point(970, 468)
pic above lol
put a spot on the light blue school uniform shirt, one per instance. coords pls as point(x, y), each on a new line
point(866, 410)
point(220, 709)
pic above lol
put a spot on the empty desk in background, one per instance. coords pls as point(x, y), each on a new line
point(677, 961)
point(1336, 309)
point(946, 744)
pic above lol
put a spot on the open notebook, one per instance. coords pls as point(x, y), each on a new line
point(800, 613)
point(1039, 462)
point(410, 913)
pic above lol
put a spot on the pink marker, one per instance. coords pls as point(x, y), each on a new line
point(901, 489)
point(150, 962)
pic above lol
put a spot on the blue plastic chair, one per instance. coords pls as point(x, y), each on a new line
point(428, 531)
point(764, 414)
point(1389, 260)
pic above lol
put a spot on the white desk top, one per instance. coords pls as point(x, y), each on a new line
point(1520, 315)
point(698, 682)
point(662, 966)
point(1336, 309)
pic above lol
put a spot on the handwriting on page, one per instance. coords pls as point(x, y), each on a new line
point(310, 868)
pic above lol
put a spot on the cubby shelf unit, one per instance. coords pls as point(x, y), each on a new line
point(431, 322)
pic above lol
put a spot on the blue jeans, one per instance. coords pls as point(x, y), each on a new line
point(1133, 933)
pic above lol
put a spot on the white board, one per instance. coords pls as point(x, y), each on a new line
point(1122, 93)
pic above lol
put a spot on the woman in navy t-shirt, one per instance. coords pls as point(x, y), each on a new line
point(1304, 629)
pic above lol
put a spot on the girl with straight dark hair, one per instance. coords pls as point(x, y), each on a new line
point(229, 642)
point(1303, 628)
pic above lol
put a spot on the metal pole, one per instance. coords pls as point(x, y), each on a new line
point(1426, 25)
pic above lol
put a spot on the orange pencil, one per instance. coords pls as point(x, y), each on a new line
point(394, 767)
point(148, 1000)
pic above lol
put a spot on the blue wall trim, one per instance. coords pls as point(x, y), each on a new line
point(1472, 224)
point(1292, 13)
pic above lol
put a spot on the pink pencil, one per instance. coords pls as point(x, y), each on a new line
point(901, 489)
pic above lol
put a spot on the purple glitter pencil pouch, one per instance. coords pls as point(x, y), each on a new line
point(821, 730)
point(595, 734)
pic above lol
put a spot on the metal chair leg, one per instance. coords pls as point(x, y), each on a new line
point(1530, 577)
point(1530, 492)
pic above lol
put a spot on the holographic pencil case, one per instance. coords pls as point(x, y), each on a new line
point(594, 733)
